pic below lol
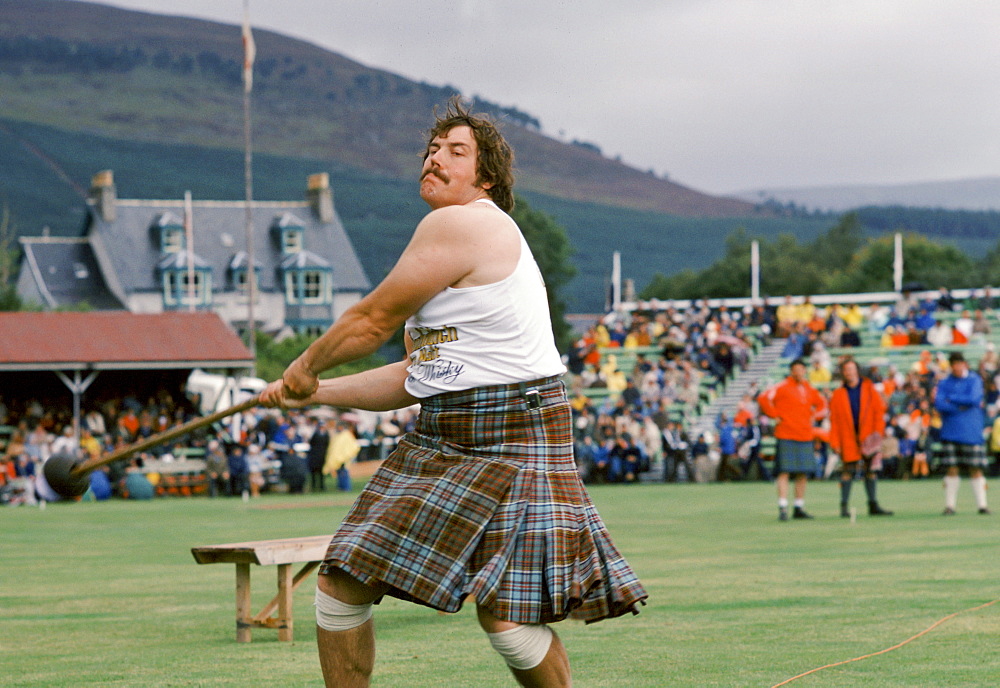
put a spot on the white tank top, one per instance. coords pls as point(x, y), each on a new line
point(489, 334)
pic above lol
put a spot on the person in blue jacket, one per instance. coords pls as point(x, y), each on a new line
point(728, 468)
point(959, 400)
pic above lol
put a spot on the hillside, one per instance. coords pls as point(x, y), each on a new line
point(133, 75)
point(379, 211)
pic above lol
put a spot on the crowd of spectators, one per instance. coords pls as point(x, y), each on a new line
point(636, 379)
point(629, 408)
point(252, 452)
point(642, 421)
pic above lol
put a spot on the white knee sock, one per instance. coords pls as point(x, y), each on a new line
point(951, 483)
point(979, 490)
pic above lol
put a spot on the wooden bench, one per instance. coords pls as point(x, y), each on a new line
point(283, 553)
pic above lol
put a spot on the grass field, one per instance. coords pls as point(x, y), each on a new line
point(107, 594)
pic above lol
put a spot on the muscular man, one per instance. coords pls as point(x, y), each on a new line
point(796, 405)
point(483, 498)
point(857, 425)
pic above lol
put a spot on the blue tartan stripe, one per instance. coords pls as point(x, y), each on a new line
point(484, 499)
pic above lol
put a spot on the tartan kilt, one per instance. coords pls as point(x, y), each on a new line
point(483, 498)
point(795, 457)
point(958, 454)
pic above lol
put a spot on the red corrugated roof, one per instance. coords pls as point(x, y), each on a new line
point(118, 339)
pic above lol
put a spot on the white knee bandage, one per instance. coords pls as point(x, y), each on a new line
point(334, 615)
point(523, 647)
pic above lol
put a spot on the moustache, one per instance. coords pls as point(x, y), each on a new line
point(437, 172)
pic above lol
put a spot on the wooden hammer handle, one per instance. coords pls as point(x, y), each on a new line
point(165, 436)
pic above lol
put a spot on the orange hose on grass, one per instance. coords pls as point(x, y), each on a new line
point(888, 649)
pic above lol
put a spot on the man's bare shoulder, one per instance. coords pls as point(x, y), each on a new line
point(472, 217)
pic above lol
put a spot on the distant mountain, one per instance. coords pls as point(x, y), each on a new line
point(93, 68)
point(965, 194)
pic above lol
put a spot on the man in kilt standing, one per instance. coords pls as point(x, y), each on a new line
point(482, 498)
point(857, 426)
point(959, 400)
point(796, 406)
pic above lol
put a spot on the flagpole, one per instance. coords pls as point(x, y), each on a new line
point(249, 53)
point(616, 280)
point(189, 245)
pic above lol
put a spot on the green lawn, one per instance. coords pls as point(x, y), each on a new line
point(107, 594)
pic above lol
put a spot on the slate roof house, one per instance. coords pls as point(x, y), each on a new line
point(134, 255)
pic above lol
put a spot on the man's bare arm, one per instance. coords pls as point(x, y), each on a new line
point(379, 389)
point(438, 256)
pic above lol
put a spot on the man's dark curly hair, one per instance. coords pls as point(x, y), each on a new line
point(495, 163)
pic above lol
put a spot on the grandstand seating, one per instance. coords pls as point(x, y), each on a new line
point(903, 357)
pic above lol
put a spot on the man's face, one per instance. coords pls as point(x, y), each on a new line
point(799, 372)
point(851, 375)
point(959, 368)
point(449, 175)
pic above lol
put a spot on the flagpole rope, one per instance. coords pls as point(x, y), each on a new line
point(888, 649)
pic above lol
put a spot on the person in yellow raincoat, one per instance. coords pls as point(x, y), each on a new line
point(995, 444)
point(343, 450)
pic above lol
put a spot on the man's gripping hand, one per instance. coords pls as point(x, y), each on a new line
point(299, 381)
point(293, 390)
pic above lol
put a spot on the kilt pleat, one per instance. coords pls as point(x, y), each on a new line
point(483, 498)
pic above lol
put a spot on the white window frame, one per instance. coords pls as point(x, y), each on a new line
point(172, 239)
point(307, 287)
point(175, 288)
point(291, 241)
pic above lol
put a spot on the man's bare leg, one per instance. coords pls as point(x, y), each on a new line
point(347, 657)
point(782, 484)
point(554, 670)
point(801, 480)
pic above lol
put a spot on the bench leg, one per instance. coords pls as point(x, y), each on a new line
point(287, 584)
point(244, 619)
point(285, 589)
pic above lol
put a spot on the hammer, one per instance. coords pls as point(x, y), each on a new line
point(69, 475)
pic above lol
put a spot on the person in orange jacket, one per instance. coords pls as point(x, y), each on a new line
point(857, 426)
point(796, 405)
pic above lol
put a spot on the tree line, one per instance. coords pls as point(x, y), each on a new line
point(934, 221)
point(840, 261)
point(82, 57)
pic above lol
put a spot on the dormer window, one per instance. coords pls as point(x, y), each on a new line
point(183, 284)
point(311, 286)
point(173, 240)
point(243, 283)
point(179, 291)
point(308, 279)
point(291, 241)
point(171, 233)
point(240, 274)
point(288, 232)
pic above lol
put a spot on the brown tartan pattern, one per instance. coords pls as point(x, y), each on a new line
point(484, 499)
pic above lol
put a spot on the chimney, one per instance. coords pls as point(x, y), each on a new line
point(103, 194)
point(320, 196)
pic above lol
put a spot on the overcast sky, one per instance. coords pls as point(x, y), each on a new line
point(721, 95)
